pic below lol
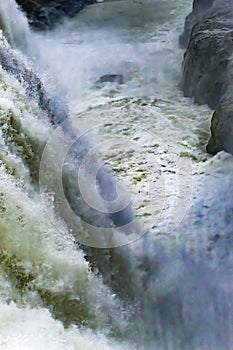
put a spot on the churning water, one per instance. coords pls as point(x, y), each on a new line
point(172, 289)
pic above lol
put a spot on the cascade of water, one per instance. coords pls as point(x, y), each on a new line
point(14, 24)
point(163, 290)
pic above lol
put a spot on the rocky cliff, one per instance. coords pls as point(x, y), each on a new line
point(43, 14)
point(207, 66)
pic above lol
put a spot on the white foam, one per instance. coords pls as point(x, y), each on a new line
point(26, 329)
point(14, 23)
point(76, 54)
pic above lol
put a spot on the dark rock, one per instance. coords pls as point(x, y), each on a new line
point(208, 69)
point(205, 72)
point(112, 78)
point(44, 14)
point(200, 8)
point(222, 127)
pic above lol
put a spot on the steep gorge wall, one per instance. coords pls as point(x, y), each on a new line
point(196, 16)
point(207, 66)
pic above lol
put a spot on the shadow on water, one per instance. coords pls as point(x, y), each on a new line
point(181, 292)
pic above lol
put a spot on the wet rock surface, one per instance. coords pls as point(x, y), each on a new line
point(44, 14)
point(111, 78)
point(207, 66)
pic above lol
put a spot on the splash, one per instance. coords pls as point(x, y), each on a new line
point(14, 24)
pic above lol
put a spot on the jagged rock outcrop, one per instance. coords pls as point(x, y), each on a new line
point(44, 14)
point(208, 67)
point(196, 16)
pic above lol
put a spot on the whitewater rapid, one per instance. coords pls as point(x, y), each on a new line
point(144, 130)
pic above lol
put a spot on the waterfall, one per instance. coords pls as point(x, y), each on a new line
point(41, 267)
point(14, 24)
point(133, 258)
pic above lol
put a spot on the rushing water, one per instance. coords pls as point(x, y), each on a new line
point(154, 141)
